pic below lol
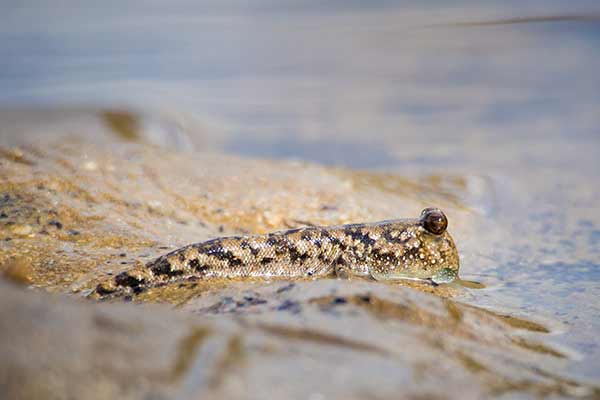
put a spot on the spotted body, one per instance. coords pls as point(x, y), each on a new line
point(418, 248)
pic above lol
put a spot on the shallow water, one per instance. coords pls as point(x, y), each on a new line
point(503, 99)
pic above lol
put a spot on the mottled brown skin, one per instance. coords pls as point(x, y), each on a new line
point(417, 249)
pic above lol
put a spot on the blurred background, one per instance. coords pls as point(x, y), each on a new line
point(363, 84)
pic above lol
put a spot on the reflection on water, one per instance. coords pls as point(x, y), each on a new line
point(506, 97)
point(470, 284)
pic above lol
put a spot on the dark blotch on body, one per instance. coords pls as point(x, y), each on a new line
point(216, 250)
point(387, 235)
point(124, 279)
point(279, 244)
point(306, 236)
point(356, 234)
point(296, 256)
point(195, 264)
point(163, 267)
point(266, 260)
point(272, 240)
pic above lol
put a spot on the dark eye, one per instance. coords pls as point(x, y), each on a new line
point(434, 220)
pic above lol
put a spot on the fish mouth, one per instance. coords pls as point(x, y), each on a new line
point(445, 275)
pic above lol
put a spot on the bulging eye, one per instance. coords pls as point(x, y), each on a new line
point(434, 220)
